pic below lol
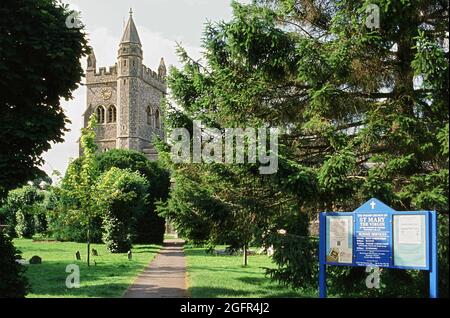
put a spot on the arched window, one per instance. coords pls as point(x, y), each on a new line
point(112, 114)
point(157, 119)
point(100, 114)
point(149, 116)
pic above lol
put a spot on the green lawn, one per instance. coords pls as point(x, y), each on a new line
point(223, 276)
point(109, 278)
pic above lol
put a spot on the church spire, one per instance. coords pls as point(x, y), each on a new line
point(91, 61)
point(130, 35)
point(162, 71)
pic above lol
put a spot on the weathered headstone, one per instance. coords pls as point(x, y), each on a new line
point(130, 255)
point(94, 252)
point(78, 256)
point(35, 260)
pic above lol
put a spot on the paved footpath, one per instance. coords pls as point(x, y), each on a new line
point(164, 277)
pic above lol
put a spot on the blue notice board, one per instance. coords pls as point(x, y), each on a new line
point(377, 235)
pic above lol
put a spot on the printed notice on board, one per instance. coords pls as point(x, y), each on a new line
point(409, 229)
point(340, 251)
point(338, 233)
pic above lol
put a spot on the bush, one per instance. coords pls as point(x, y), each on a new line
point(13, 283)
point(24, 213)
point(149, 227)
point(121, 195)
point(24, 224)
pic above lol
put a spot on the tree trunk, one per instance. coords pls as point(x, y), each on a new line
point(89, 244)
point(245, 260)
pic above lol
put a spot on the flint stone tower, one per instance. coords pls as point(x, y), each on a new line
point(126, 98)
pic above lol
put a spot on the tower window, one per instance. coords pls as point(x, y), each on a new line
point(157, 120)
point(100, 114)
point(125, 63)
point(112, 114)
point(149, 116)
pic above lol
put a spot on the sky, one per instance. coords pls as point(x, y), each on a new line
point(160, 23)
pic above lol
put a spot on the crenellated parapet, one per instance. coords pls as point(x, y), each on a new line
point(103, 75)
point(151, 77)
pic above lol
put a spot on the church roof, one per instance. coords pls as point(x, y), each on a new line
point(130, 35)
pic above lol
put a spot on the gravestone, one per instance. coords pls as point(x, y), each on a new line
point(94, 252)
point(130, 255)
point(78, 256)
point(35, 260)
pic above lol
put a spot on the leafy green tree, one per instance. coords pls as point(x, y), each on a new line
point(40, 64)
point(79, 185)
point(86, 187)
point(216, 203)
point(120, 194)
point(190, 207)
point(66, 220)
point(363, 112)
point(13, 283)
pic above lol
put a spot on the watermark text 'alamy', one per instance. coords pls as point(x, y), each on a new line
point(211, 145)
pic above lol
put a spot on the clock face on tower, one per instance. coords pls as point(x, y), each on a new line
point(106, 93)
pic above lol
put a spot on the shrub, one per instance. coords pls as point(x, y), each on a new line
point(23, 212)
point(13, 283)
point(121, 195)
point(24, 224)
point(149, 227)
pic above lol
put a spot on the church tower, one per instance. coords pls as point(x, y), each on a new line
point(128, 86)
point(126, 98)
